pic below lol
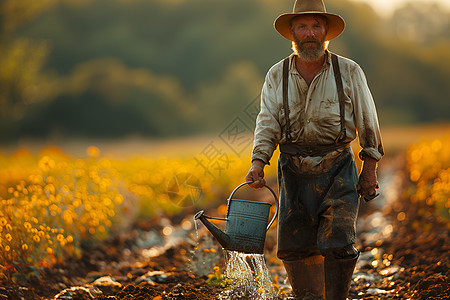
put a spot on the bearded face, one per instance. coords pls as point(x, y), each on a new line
point(309, 33)
point(309, 49)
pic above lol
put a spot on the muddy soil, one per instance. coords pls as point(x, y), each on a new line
point(403, 257)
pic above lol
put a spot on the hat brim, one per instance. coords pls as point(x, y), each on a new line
point(336, 24)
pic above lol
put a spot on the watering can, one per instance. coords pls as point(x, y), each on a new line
point(245, 223)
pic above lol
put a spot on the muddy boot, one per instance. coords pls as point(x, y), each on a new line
point(338, 275)
point(306, 276)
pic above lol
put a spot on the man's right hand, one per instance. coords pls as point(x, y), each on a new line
point(256, 174)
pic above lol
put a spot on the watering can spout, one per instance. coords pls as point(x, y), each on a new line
point(220, 236)
point(245, 224)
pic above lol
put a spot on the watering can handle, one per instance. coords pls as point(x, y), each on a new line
point(273, 193)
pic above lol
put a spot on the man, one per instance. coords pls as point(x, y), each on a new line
point(312, 105)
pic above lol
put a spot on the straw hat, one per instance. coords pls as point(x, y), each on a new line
point(302, 7)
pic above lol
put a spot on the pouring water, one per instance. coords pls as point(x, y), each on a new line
point(246, 224)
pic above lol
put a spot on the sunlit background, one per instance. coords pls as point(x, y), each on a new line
point(117, 110)
point(157, 69)
point(387, 7)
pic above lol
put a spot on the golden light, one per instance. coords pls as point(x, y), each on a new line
point(401, 216)
point(167, 230)
point(388, 230)
point(384, 272)
point(186, 224)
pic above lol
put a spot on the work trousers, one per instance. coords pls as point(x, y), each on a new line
point(317, 211)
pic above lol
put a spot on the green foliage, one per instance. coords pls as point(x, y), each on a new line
point(24, 273)
point(21, 60)
point(217, 279)
point(161, 68)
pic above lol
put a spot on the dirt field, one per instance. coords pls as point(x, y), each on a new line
point(404, 252)
point(399, 260)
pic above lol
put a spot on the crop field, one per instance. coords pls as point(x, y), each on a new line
point(52, 203)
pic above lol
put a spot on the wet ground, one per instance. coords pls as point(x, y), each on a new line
point(405, 255)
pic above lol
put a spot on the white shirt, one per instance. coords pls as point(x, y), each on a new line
point(314, 111)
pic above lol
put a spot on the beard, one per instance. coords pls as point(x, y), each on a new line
point(309, 54)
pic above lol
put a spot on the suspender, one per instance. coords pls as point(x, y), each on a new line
point(285, 99)
point(337, 76)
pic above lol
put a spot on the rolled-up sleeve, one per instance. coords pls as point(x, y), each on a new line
point(268, 129)
point(366, 117)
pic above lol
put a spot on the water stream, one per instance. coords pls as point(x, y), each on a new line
point(248, 277)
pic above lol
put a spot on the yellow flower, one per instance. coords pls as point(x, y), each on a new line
point(46, 163)
point(50, 188)
point(92, 151)
point(118, 199)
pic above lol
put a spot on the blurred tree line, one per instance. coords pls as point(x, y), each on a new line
point(158, 68)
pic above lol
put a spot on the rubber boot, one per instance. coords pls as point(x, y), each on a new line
point(338, 276)
point(306, 276)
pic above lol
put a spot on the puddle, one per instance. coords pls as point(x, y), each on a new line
point(377, 227)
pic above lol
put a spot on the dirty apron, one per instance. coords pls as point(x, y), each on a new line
point(318, 204)
point(317, 211)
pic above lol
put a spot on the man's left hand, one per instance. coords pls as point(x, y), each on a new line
point(368, 183)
